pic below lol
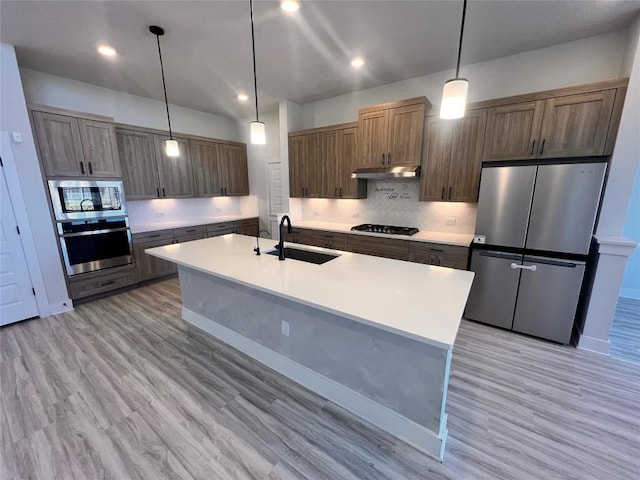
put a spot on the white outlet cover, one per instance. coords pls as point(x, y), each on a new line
point(285, 328)
point(16, 137)
point(450, 221)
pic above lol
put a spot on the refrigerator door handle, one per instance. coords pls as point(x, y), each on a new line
point(506, 256)
point(515, 266)
point(552, 262)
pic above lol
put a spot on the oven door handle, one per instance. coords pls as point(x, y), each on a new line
point(94, 232)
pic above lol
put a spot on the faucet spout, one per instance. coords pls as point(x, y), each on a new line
point(257, 249)
point(281, 242)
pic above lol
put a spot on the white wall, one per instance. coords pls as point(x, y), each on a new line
point(14, 118)
point(55, 91)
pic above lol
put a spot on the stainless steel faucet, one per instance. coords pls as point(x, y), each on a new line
point(281, 242)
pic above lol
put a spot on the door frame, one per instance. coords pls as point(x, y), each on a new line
point(26, 235)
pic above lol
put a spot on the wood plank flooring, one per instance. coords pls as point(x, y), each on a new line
point(122, 388)
point(625, 331)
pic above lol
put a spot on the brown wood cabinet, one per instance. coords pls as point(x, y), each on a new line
point(391, 133)
point(318, 238)
point(140, 170)
point(219, 169)
point(451, 256)
point(147, 266)
point(234, 172)
point(452, 158)
point(71, 146)
point(379, 246)
point(571, 125)
point(241, 227)
point(101, 282)
point(175, 173)
point(305, 165)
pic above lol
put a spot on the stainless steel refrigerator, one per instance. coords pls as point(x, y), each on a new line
point(537, 221)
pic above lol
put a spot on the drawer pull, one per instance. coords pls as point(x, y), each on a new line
point(154, 236)
point(104, 284)
point(436, 250)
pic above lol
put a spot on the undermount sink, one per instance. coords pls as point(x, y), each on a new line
point(308, 256)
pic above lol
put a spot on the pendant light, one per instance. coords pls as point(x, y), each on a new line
point(171, 146)
point(258, 134)
point(454, 93)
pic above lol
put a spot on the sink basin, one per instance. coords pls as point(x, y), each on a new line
point(308, 256)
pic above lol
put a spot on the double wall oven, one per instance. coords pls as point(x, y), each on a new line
point(92, 224)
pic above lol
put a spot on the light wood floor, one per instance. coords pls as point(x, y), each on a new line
point(625, 331)
point(122, 388)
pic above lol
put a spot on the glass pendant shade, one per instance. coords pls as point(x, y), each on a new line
point(258, 133)
point(454, 98)
point(171, 148)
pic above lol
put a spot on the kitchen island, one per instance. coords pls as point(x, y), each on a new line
point(373, 335)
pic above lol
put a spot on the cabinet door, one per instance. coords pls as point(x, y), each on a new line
point(236, 172)
point(313, 164)
point(406, 128)
point(59, 143)
point(297, 170)
point(576, 125)
point(174, 172)
point(379, 246)
point(100, 148)
point(434, 184)
point(466, 157)
point(205, 161)
point(148, 266)
point(140, 169)
point(347, 162)
point(512, 131)
point(373, 138)
point(329, 166)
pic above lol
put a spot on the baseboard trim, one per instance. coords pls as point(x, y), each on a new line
point(593, 344)
point(356, 403)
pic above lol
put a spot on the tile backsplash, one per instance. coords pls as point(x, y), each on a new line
point(392, 202)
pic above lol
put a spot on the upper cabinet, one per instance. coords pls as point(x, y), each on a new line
point(573, 125)
point(452, 158)
point(234, 173)
point(140, 171)
point(219, 169)
point(72, 146)
point(391, 133)
point(175, 173)
point(321, 162)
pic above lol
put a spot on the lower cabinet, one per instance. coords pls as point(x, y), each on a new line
point(379, 246)
point(148, 266)
point(437, 254)
point(241, 227)
point(95, 283)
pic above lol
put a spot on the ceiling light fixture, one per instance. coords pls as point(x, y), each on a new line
point(290, 6)
point(454, 93)
point(258, 133)
point(107, 51)
point(171, 146)
point(243, 97)
point(357, 62)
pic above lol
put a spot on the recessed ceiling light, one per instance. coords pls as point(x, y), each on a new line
point(107, 51)
point(243, 97)
point(357, 62)
point(290, 6)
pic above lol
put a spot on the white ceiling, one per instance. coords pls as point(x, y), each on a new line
point(207, 46)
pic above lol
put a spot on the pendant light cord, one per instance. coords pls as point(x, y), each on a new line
point(253, 47)
point(464, 12)
point(164, 87)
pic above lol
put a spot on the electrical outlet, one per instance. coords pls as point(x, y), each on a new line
point(316, 213)
point(159, 213)
point(285, 328)
point(450, 221)
point(355, 214)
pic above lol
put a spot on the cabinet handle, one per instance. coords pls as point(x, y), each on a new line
point(306, 191)
point(158, 192)
point(104, 284)
point(90, 169)
point(340, 191)
point(225, 191)
point(336, 193)
point(438, 261)
point(82, 168)
point(436, 250)
point(153, 236)
point(389, 158)
point(449, 193)
point(163, 192)
point(442, 196)
point(383, 159)
point(542, 147)
point(533, 147)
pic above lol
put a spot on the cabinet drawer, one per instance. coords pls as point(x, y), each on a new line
point(379, 247)
point(298, 235)
point(190, 238)
point(153, 236)
point(452, 256)
point(195, 229)
point(81, 286)
point(336, 241)
point(221, 228)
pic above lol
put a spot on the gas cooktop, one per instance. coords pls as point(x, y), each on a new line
point(388, 229)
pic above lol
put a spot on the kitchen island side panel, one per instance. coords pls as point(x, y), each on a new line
point(401, 374)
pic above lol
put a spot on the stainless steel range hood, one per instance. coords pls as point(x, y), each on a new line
point(410, 171)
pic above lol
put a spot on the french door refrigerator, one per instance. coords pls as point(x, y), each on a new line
point(537, 221)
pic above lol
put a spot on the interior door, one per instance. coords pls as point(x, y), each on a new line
point(492, 299)
point(565, 204)
point(504, 204)
point(17, 301)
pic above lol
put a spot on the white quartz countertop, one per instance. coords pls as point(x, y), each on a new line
point(422, 302)
point(424, 236)
point(152, 227)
